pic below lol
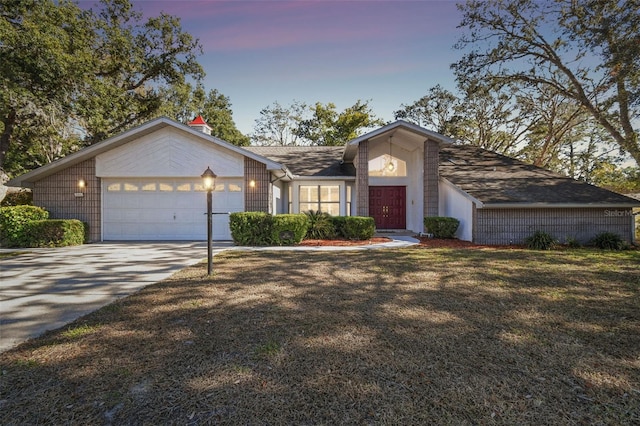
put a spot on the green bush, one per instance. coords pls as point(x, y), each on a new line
point(18, 198)
point(13, 221)
point(338, 223)
point(540, 240)
point(353, 227)
point(288, 229)
point(320, 226)
point(358, 228)
point(572, 243)
point(54, 233)
point(441, 227)
point(609, 241)
point(251, 228)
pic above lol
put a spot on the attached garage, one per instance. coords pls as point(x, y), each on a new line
point(167, 209)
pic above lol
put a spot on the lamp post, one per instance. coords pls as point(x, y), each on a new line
point(209, 179)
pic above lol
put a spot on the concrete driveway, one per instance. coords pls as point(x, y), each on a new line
point(47, 288)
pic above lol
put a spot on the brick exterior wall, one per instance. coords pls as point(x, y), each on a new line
point(362, 179)
point(258, 198)
point(55, 193)
point(431, 178)
point(513, 226)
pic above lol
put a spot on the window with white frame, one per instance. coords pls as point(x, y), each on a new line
point(324, 198)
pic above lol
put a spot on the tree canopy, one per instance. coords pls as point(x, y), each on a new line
point(184, 102)
point(300, 124)
point(65, 71)
point(585, 51)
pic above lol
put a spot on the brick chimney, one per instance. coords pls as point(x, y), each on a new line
point(198, 123)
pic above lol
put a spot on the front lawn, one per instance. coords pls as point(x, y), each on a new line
point(411, 336)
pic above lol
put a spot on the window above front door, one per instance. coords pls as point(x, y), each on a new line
point(387, 166)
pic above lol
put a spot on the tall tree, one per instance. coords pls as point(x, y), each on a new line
point(134, 59)
point(45, 58)
point(278, 125)
point(587, 51)
point(216, 110)
point(319, 124)
point(477, 115)
point(329, 128)
point(100, 71)
point(183, 102)
point(437, 110)
point(559, 124)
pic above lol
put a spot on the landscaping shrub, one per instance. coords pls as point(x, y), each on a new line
point(13, 221)
point(609, 241)
point(338, 223)
point(251, 228)
point(320, 226)
point(358, 228)
point(54, 233)
point(540, 240)
point(288, 229)
point(573, 243)
point(440, 226)
point(18, 198)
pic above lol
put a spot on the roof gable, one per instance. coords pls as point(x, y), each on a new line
point(169, 153)
point(27, 179)
point(407, 129)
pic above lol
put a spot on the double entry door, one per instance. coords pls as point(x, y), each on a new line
point(388, 206)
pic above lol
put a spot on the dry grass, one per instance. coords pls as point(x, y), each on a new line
point(413, 336)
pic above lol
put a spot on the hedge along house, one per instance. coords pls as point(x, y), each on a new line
point(145, 184)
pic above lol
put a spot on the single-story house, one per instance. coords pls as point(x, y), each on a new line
point(145, 184)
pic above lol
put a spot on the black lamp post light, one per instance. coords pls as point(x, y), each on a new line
point(209, 179)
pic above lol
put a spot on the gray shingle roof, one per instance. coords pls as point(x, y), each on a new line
point(486, 176)
point(308, 161)
point(496, 179)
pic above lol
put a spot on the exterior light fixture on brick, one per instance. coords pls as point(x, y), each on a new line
point(82, 184)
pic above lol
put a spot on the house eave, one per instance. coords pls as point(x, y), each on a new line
point(557, 205)
point(28, 179)
point(324, 178)
point(351, 146)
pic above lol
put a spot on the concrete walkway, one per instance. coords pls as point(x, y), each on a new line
point(44, 289)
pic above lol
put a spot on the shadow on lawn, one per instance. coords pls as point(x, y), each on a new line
point(404, 337)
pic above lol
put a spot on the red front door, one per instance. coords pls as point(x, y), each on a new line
point(388, 207)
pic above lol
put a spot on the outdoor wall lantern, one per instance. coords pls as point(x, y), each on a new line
point(209, 179)
point(81, 187)
point(390, 165)
point(252, 183)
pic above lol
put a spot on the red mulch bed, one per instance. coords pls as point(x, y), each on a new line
point(424, 242)
point(343, 243)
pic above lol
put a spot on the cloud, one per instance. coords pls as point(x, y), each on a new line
point(256, 25)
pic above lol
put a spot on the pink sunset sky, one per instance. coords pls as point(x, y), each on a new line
point(259, 52)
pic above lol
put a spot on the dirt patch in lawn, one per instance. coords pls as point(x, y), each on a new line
point(410, 336)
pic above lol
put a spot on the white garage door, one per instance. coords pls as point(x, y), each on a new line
point(167, 209)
